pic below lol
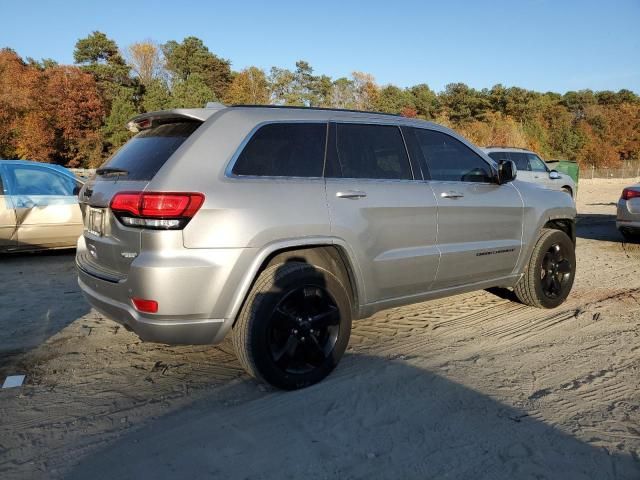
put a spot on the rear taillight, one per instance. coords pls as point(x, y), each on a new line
point(158, 210)
point(629, 193)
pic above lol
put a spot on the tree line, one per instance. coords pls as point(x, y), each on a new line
point(76, 115)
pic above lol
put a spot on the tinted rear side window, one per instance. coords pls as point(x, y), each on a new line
point(147, 152)
point(284, 150)
point(449, 159)
point(371, 151)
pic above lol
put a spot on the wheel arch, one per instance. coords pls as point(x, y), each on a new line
point(566, 225)
point(331, 257)
point(569, 188)
point(328, 254)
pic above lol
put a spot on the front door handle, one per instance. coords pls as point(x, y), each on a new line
point(353, 194)
point(451, 195)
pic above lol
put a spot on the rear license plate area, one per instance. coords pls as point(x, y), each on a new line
point(95, 221)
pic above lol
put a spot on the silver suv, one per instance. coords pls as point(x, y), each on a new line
point(281, 225)
point(531, 168)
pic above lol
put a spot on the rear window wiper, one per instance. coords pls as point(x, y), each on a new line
point(112, 171)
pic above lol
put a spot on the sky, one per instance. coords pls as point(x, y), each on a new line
point(542, 45)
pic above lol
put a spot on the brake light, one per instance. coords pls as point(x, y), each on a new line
point(159, 210)
point(145, 306)
point(126, 203)
point(629, 193)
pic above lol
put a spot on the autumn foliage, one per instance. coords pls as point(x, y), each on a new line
point(76, 115)
point(51, 115)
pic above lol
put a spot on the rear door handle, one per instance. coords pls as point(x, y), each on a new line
point(353, 194)
point(451, 195)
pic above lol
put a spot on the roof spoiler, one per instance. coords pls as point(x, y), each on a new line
point(147, 120)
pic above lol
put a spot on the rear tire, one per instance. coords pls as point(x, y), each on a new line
point(294, 326)
point(549, 275)
point(629, 236)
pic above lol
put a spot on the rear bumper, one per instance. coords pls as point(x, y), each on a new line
point(169, 331)
point(626, 219)
point(632, 227)
point(192, 289)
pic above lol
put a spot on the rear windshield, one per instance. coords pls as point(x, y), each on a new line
point(143, 155)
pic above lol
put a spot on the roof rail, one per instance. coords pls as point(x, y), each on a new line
point(506, 146)
point(314, 108)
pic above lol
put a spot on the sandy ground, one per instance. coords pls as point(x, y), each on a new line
point(473, 386)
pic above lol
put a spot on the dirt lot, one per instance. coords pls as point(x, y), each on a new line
point(473, 386)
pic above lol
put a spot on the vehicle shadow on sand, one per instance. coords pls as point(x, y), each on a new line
point(373, 418)
point(39, 297)
point(597, 227)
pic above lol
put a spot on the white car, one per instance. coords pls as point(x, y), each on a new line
point(531, 168)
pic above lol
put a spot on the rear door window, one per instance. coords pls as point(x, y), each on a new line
point(284, 150)
point(450, 160)
point(371, 151)
point(143, 155)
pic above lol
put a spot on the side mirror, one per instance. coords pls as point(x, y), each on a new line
point(507, 171)
point(554, 175)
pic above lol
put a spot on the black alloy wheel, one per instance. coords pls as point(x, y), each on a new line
point(294, 326)
point(303, 329)
point(555, 271)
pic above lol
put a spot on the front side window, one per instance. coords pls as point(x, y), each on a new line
point(284, 150)
point(448, 159)
point(536, 164)
point(40, 181)
point(371, 151)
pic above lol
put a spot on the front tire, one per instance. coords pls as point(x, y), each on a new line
point(294, 326)
point(549, 275)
